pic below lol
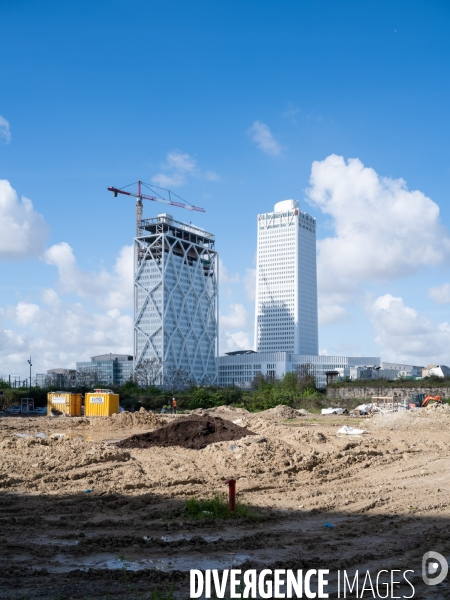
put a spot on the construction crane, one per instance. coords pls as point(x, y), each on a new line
point(157, 198)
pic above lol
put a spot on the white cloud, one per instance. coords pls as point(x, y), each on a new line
point(249, 280)
point(235, 329)
point(169, 180)
point(59, 335)
point(262, 136)
point(210, 176)
point(178, 168)
point(26, 313)
point(55, 333)
point(331, 313)
point(23, 231)
point(407, 336)
point(5, 131)
point(50, 297)
point(237, 318)
point(224, 276)
point(107, 290)
point(440, 293)
point(238, 340)
point(291, 113)
point(382, 230)
point(181, 162)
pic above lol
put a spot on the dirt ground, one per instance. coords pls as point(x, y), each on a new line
point(83, 518)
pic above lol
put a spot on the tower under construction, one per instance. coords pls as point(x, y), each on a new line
point(175, 301)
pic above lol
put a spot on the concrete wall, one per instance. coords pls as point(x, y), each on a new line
point(369, 391)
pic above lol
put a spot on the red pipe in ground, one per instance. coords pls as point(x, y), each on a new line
point(231, 493)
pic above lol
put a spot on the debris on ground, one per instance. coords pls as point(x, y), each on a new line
point(346, 430)
point(334, 411)
point(365, 409)
point(303, 412)
point(193, 431)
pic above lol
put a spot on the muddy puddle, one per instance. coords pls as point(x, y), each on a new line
point(177, 537)
point(108, 561)
point(45, 540)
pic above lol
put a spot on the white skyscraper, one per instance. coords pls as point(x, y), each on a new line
point(176, 301)
point(286, 281)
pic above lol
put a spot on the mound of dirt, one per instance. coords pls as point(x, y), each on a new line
point(193, 431)
point(280, 412)
point(434, 417)
point(127, 420)
point(225, 412)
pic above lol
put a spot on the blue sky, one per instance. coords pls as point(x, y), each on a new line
point(231, 104)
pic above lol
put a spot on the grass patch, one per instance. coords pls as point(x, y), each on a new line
point(217, 508)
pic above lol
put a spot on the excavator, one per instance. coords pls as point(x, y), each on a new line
point(421, 401)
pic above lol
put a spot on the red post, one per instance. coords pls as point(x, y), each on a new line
point(231, 493)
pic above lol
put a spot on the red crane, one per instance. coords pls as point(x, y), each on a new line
point(140, 196)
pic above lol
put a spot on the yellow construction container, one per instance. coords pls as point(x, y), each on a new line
point(64, 402)
point(101, 403)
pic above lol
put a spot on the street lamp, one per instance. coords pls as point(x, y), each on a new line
point(29, 362)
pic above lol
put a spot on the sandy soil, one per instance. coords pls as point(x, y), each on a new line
point(82, 518)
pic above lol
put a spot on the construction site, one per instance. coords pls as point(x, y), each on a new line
point(101, 503)
point(103, 507)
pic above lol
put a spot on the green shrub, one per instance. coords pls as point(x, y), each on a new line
point(217, 508)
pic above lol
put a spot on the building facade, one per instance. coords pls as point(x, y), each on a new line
point(437, 370)
point(55, 378)
point(107, 369)
point(241, 367)
point(286, 282)
point(391, 370)
point(176, 300)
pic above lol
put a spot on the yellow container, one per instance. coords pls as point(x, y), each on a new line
point(101, 403)
point(64, 402)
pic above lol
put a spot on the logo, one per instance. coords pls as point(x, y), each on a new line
point(432, 562)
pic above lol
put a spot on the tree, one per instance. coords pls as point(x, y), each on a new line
point(148, 372)
point(258, 381)
point(289, 382)
point(305, 377)
point(178, 378)
point(4, 384)
point(83, 377)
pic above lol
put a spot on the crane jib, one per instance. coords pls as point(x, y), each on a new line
point(153, 199)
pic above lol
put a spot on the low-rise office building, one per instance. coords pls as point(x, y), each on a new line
point(437, 370)
point(383, 370)
point(241, 367)
point(401, 370)
point(109, 369)
point(55, 378)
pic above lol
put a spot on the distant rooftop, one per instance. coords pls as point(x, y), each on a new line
point(110, 356)
point(239, 352)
